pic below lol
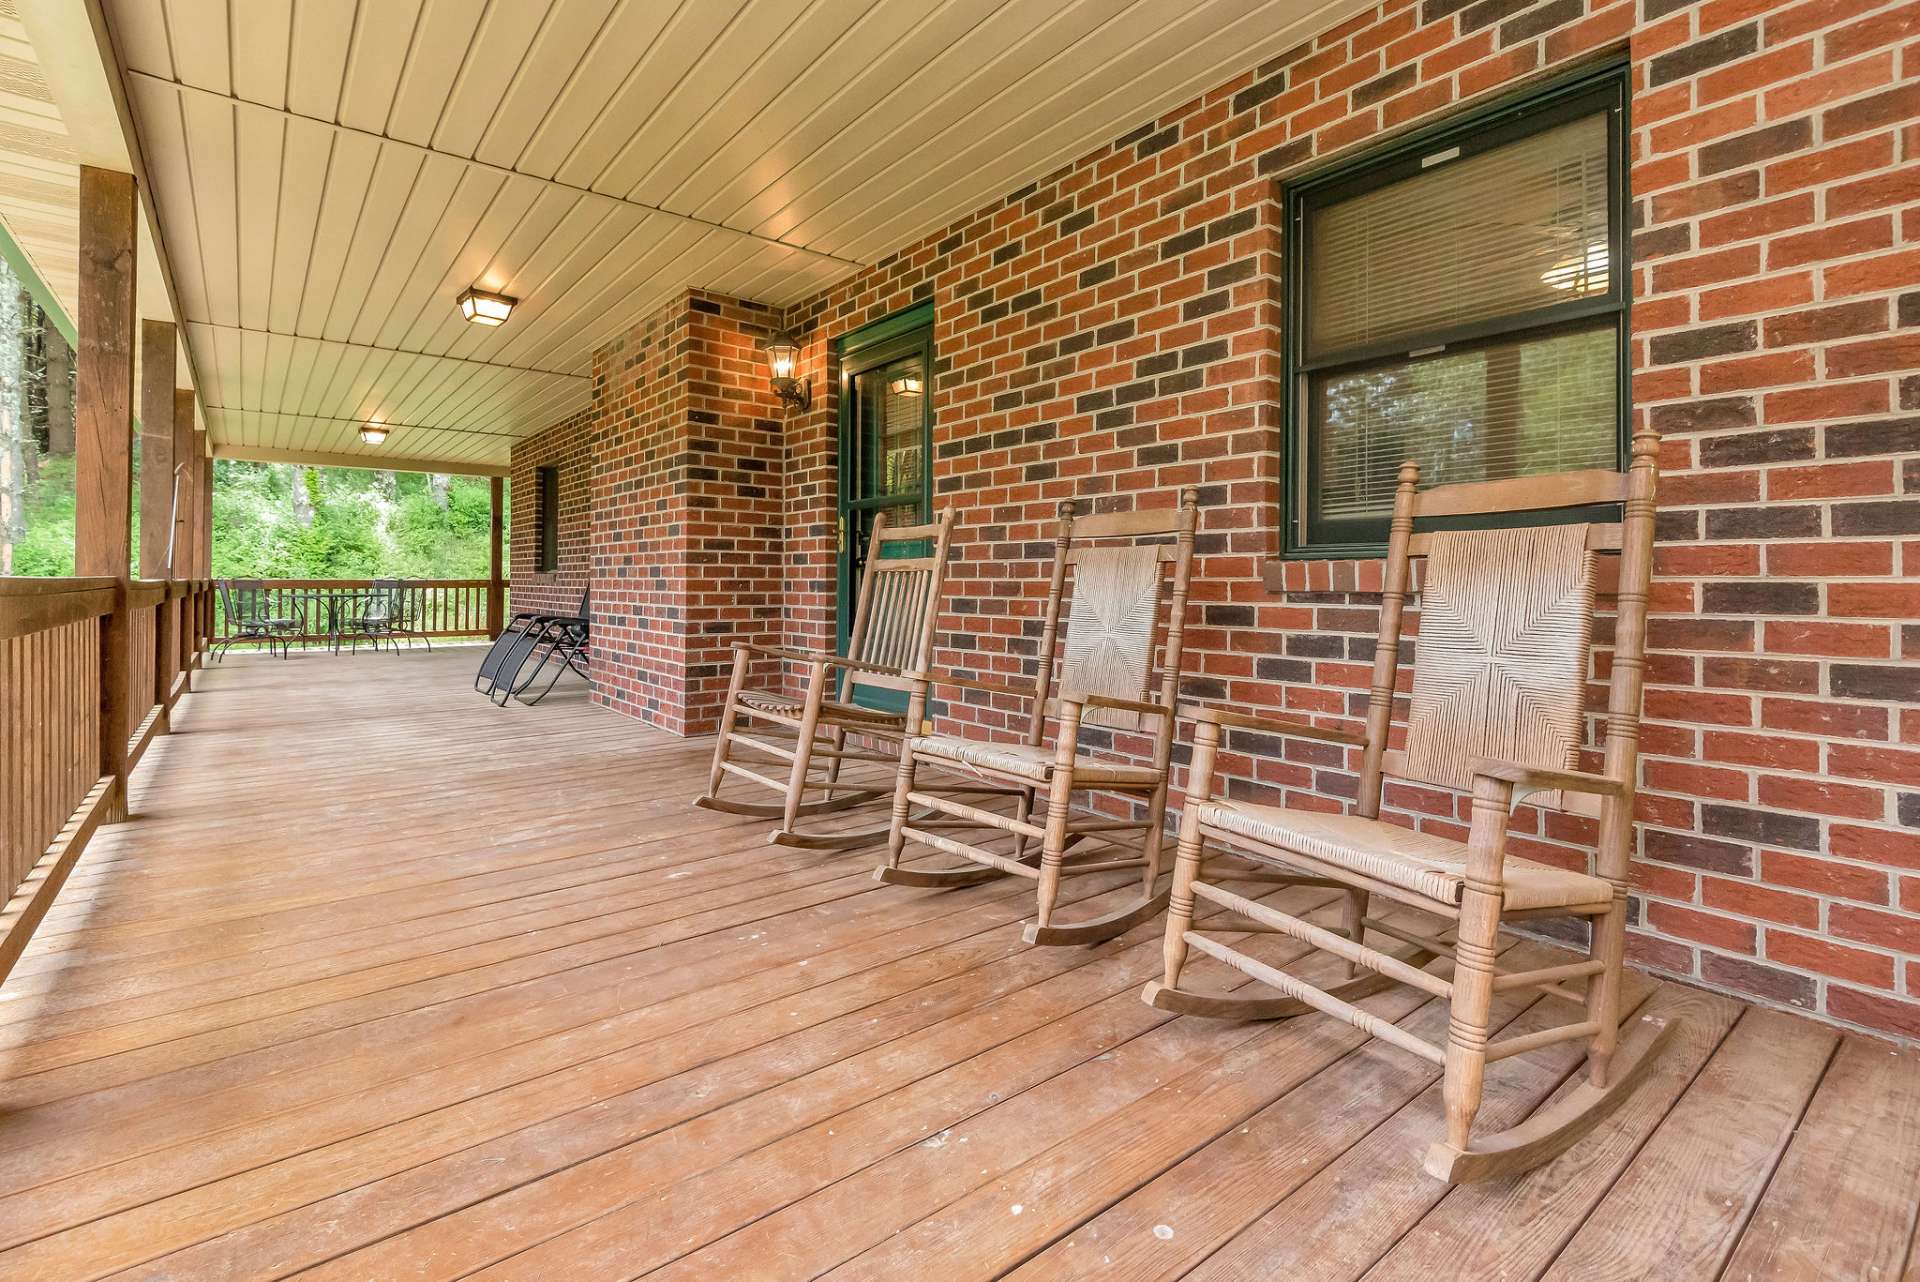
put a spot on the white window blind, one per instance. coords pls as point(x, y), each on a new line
point(1509, 231)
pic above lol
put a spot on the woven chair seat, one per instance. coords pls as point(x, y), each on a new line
point(1422, 862)
point(793, 705)
point(1030, 763)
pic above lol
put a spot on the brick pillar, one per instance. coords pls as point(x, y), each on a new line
point(686, 501)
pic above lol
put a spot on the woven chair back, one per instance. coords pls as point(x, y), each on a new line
point(1506, 626)
point(1114, 615)
point(1119, 592)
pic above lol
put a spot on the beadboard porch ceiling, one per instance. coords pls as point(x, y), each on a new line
point(328, 177)
point(57, 112)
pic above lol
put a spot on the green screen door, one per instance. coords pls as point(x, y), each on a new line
point(886, 428)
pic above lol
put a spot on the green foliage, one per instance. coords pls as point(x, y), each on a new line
point(47, 548)
point(357, 524)
point(362, 524)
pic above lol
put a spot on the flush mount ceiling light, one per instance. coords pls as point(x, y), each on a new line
point(783, 358)
point(483, 308)
point(905, 385)
point(373, 433)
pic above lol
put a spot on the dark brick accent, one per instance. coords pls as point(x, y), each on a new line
point(1752, 148)
point(1765, 827)
point(1691, 851)
point(1540, 20)
point(1700, 343)
point(1674, 238)
point(1711, 51)
point(1899, 516)
point(1798, 522)
point(1744, 449)
point(1260, 91)
point(1484, 13)
point(1760, 596)
point(1718, 414)
point(1769, 982)
point(1875, 681)
point(1383, 87)
point(1882, 436)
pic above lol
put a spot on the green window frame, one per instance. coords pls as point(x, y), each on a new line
point(1307, 532)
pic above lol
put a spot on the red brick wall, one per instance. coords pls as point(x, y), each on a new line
point(734, 492)
point(639, 559)
point(672, 494)
point(567, 445)
point(1112, 332)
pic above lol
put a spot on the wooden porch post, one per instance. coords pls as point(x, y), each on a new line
point(203, 500)
point(156, 447)
point(157, 481)
point(203, 541)
point(496, 591)
point(103, 442)
point(185, 508)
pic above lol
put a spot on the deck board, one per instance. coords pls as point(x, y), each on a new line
point(384, 982)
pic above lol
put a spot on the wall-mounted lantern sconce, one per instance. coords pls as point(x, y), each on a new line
point(373, 433)
point(905, 385)
point(783, 358)
point(483, 308)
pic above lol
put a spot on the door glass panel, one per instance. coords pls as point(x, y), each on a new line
point(892, 401)
point(883, 469)
point(889, 444)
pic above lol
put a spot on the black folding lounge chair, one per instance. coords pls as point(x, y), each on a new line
point(518, 627)
point(558, 642)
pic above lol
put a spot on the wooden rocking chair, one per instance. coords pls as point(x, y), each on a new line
point(845, 698)
point(1106, 679)
point(1497, 707)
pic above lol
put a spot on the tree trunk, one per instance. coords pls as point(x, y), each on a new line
point(437, 486)
point(59, 390)
point(302, 501)
point(14, 438)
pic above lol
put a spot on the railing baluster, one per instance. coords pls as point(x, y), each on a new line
point(442, 607)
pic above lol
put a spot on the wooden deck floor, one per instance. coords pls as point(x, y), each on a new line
point(386, 983)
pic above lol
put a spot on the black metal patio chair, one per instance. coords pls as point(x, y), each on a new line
point(409, 614)
point(252, 615)
point(374, 618)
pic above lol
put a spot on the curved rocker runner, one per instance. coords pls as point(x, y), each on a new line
point(1112, 575)
point(1498, 709)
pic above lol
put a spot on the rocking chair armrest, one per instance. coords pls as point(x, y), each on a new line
point(935, 676)
point(1526, 779)
point(1084, 700)
point(1270, 725)
point(823, 657)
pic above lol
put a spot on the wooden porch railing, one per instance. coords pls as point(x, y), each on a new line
point(90, 670)
point(438, 607)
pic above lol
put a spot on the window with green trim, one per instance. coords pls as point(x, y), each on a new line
point(1459, 299)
